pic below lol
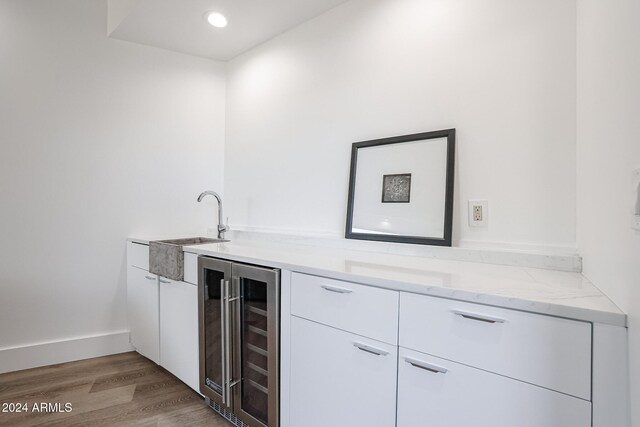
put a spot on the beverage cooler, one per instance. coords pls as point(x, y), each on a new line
point(239, 340)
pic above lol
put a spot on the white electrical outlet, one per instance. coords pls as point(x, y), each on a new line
point(478, 213)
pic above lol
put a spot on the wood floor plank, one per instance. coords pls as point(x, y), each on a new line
point(120, 390)
point(136, 376)
point(115, 361)
point(130, 411)
point(33, 380)
point(83, 403)
point(50, 393)
point(194, 416)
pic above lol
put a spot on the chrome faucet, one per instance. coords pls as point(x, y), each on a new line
point(221, 227)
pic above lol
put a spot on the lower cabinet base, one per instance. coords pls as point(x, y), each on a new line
point(333, 376)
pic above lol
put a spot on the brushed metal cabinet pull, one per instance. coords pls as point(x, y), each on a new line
point(478, 317)
point(426, 366)
point(165, 281)
point(149, 277)
point(232, 289)
point(336, 289)
point(370, 349)
point(222, 343)
point(227, 337)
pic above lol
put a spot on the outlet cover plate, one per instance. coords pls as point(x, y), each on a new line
point(478, 213)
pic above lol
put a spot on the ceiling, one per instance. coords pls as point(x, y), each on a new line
point(180, 25)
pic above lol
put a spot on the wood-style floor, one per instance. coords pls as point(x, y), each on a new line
point(120, 390)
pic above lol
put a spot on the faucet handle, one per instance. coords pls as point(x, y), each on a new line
point(224, 227)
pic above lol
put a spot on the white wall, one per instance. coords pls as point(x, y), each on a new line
point(501, 72)
point(99, 139)
point(608, 150)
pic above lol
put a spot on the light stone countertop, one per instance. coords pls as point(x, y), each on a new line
point(556, 293)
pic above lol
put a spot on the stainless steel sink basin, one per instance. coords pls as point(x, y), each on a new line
point(166, 257)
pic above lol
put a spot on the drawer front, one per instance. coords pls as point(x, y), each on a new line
point(437, 392)
point(360, 309)
point(547, 351)
point(191, 268)
point(138, 255)
point(339, 379)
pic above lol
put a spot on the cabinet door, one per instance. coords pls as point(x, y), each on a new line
point(179, 330)
point(142, 308)
point(214, 276)
point(254, 378)
point(340, 379)
point(438, 393)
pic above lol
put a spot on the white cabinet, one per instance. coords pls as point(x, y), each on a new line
point(138, 255)
point(361, 309)
point(163, 316)
point(339, 378)
point(143, 312)
point(440, 393)
point(547, 351)
point(444, 363)
point(179, 330)
point(191, 268)
point(469, 364)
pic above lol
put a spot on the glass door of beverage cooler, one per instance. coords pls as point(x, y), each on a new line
point(214, 282)
point(255, 385)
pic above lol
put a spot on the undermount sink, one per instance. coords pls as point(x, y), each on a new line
point(166, 257)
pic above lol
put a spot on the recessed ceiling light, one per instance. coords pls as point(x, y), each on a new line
point(216, 19)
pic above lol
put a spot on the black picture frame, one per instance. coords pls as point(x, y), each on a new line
point(450, 135)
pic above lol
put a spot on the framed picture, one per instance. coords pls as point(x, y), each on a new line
point(401, 189)
point(396, 188)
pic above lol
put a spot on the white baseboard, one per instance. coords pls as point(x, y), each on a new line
point(68, 350)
